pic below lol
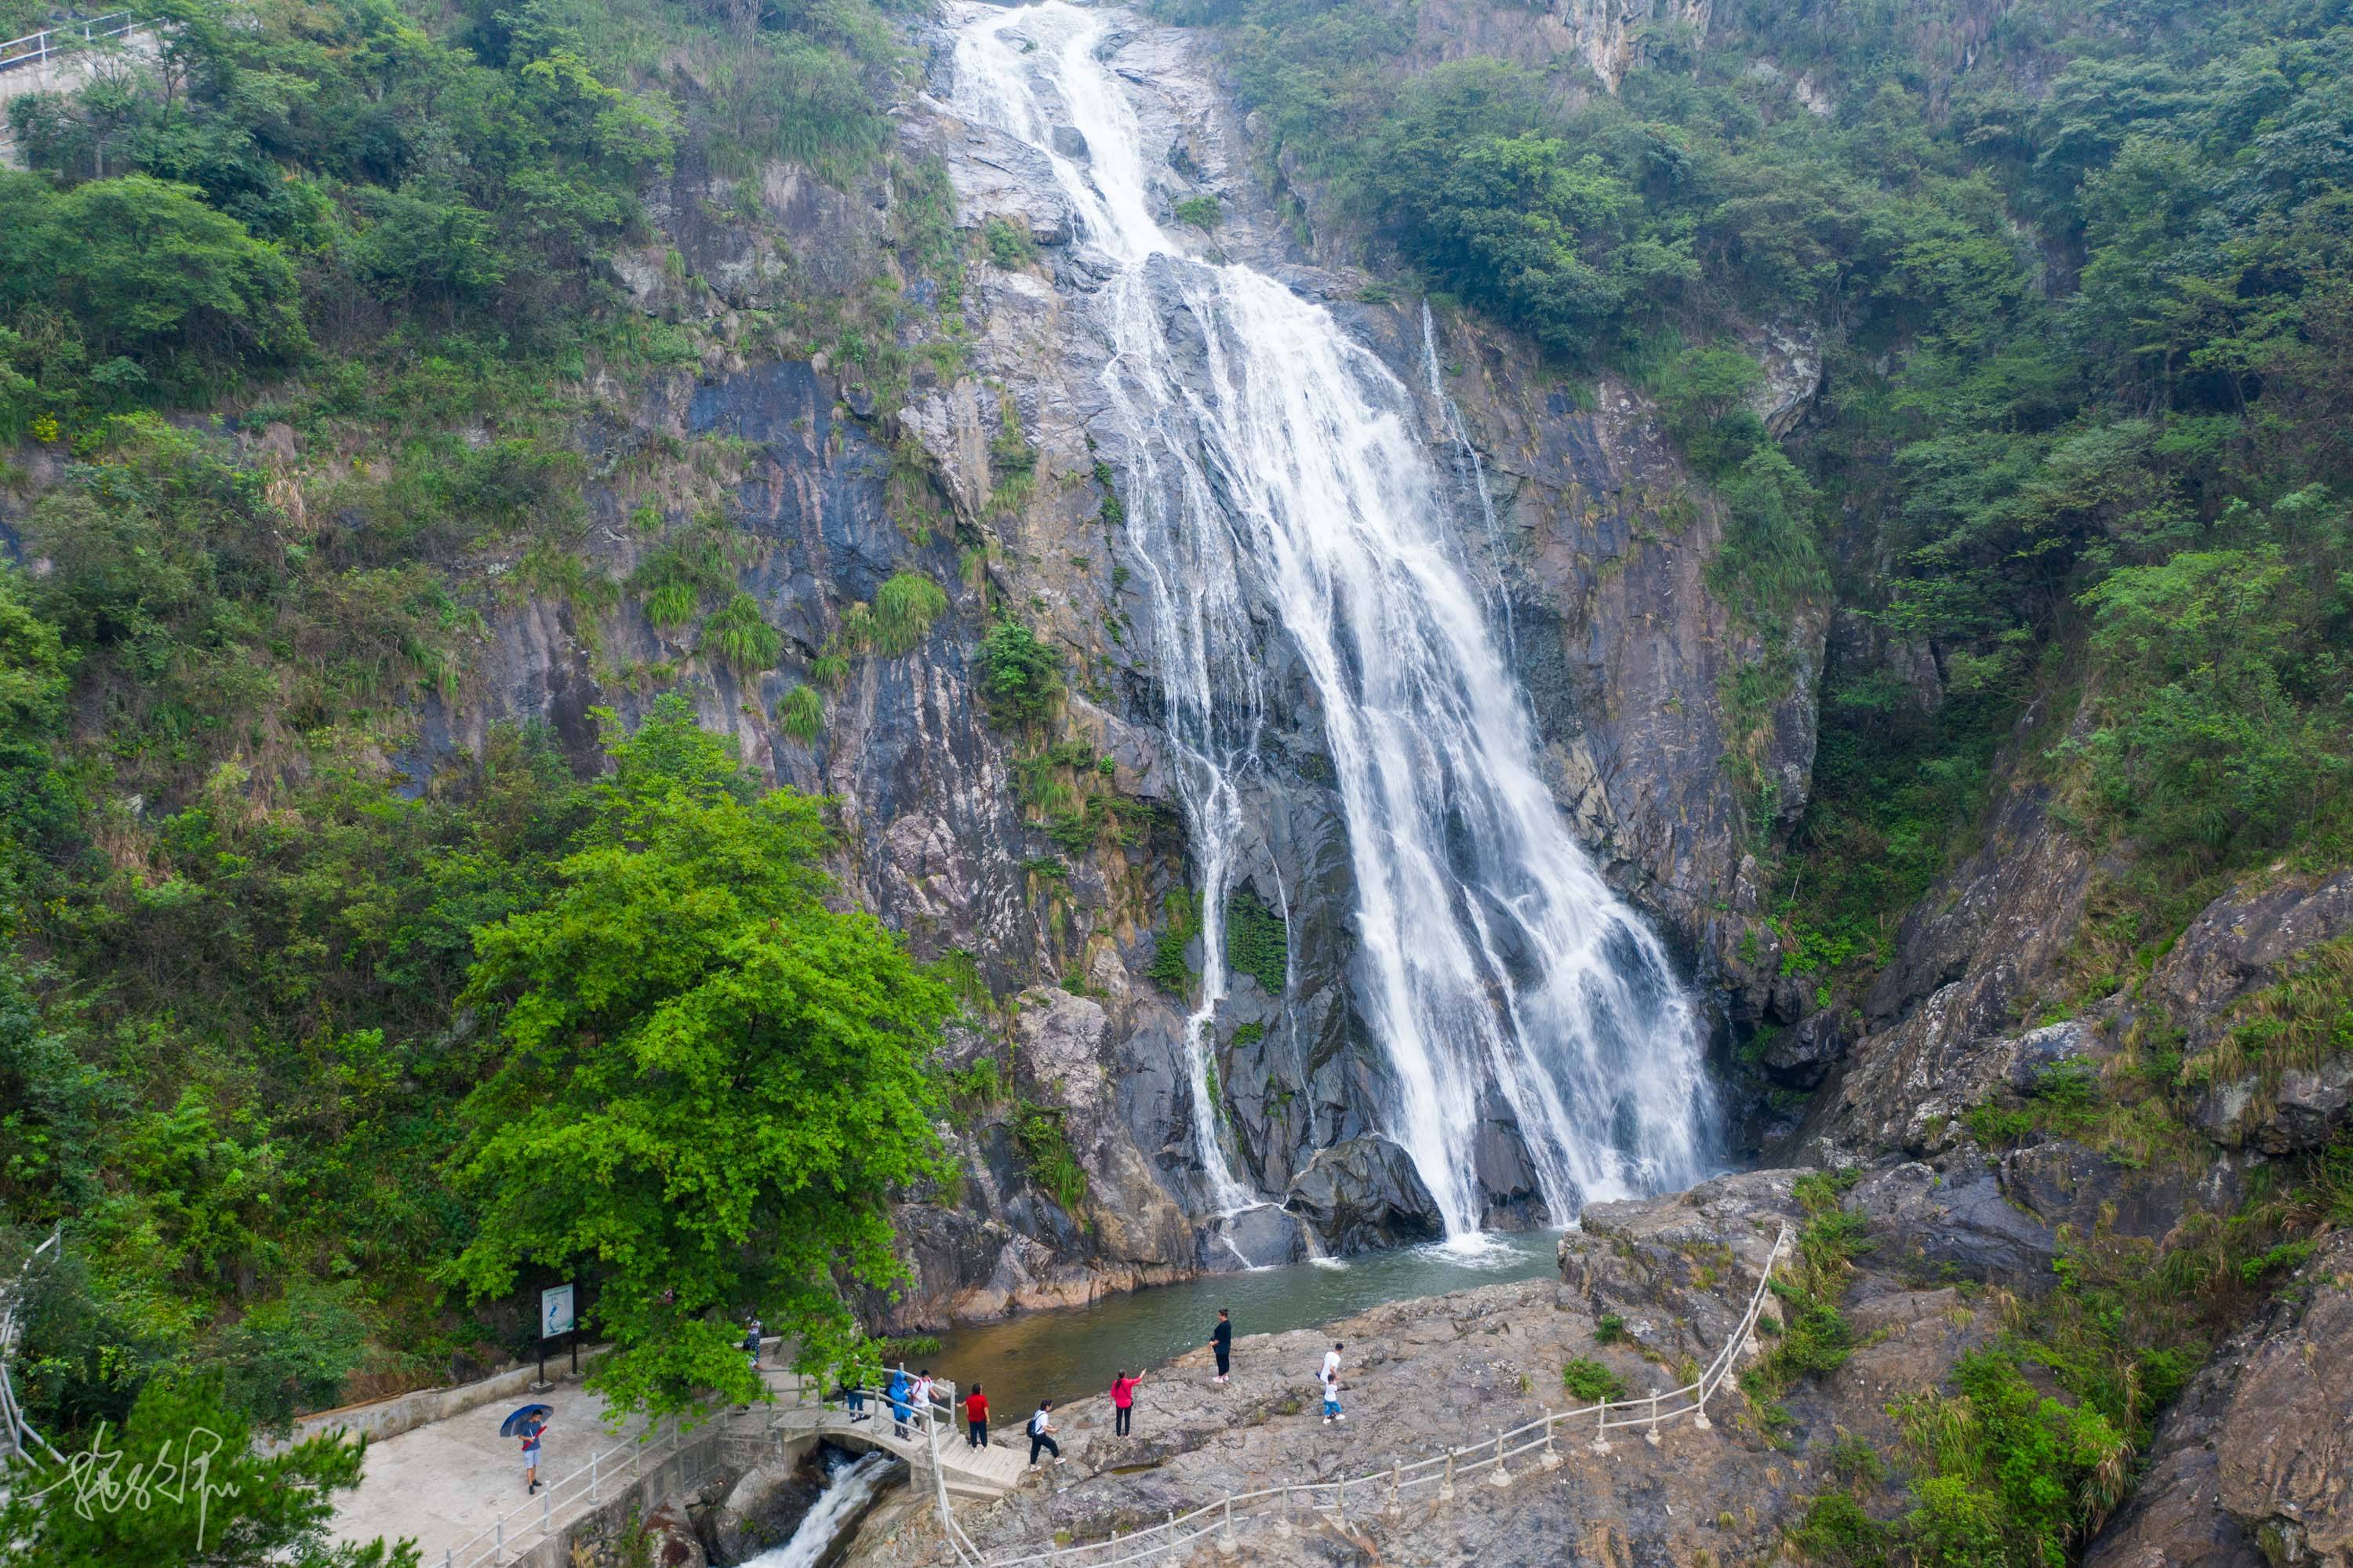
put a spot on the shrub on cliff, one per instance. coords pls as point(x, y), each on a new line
point(1020, 676)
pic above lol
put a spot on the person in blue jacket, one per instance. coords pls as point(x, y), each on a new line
point(898, 1393)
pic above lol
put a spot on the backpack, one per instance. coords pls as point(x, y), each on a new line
point(1038, 1425)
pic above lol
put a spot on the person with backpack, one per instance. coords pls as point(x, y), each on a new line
point(975, 1415)
point(1330, 1378)
point(921, 1398)
point(1123, 1400)
point(1041, 1434)
point(1221, 1340)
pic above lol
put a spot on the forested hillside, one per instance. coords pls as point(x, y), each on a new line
point(317, 1029)
point(2077, 476)
point(2083, 434)
point(238, 899)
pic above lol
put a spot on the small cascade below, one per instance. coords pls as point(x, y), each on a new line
point(851, 1483)
point(1535, 1044)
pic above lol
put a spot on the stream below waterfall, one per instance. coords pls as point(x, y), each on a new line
point(1072, 1352)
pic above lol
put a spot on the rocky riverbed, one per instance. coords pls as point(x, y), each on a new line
point(2251, 1468)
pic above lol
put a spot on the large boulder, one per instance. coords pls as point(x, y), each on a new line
point(757, 1512)
point(1366, 1194)
point(1933, 1220)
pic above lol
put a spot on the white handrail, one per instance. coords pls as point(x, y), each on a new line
point(15, 1427)
point(35, 48)
point(1153, 1542)
point(1184, 1530)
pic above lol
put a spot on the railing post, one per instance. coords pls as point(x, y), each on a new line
point(1651, 1434)
point(1397, 1482)
point(595, 1494)
point(1601, 1428)
point(1446, 1487)
point(1502, 1478)
point(547, 1511)
point(1551, 1460)
point(1699, 1418)
point(498, 1538)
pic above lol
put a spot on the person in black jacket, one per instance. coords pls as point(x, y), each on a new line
point(1221, 1340)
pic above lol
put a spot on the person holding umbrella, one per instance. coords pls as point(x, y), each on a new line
point(527, 1424)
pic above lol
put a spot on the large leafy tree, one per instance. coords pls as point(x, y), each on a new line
point(711, 1081)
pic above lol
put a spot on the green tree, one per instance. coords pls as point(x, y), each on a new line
point(711, 1082)
point(150, 271)
point(206, 1501)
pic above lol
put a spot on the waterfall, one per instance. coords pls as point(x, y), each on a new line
point(1469, 456)
point(849, 1486)
point(1274, 471)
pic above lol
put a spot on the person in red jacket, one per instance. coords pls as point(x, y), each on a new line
point(1123, 1400)
point(975, 1415)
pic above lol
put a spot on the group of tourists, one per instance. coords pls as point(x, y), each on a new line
point(909, 1398)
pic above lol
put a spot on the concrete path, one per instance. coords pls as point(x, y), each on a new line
point(446, 1481)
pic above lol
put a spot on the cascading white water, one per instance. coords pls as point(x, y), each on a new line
point(848, 1490)
point(1469, 456)
point(1274, 465)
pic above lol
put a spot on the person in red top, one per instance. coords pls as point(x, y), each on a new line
point(976, 1414)
point(1123, 1400)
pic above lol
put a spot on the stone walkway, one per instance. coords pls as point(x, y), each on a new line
point(444, 1482)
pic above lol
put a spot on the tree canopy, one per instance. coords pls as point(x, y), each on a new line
point(711, 1081)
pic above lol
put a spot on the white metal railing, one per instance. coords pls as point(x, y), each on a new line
point(620, 1465)
point(1385, 1490)
point(17, 1433)
point(1535, 1442)
point(35, 48)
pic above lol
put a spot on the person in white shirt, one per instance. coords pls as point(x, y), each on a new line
point(1330, 1378)
point(923, 1398)
point(1041, 1434)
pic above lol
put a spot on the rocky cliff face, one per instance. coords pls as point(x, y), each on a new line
point(992, 467)
point(2254, 1464)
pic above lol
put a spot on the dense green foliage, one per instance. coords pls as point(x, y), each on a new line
point(2083, 313)
point(711, 1082)
point(238, 896)
point(1021, 674)
point(208, 1499)
point(1257, 942)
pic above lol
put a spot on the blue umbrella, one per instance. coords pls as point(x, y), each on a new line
point(513, 1424)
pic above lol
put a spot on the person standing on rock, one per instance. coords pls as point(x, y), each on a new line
point(1221, 1340)
point(975, 1415)
point(1330, 1378)
point(1041, 1434)
point(1123, 1400)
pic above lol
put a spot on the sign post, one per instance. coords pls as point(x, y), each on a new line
point(555, 1317)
